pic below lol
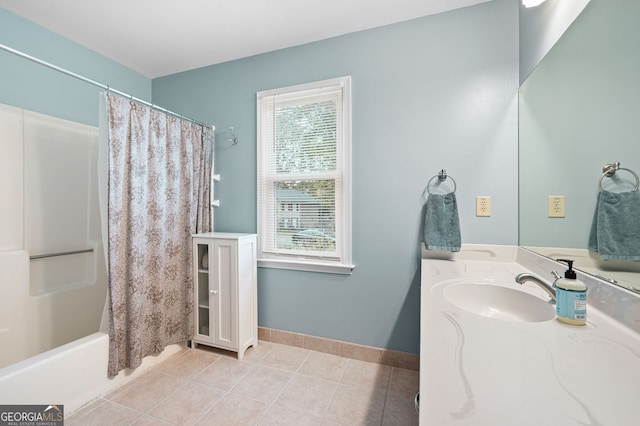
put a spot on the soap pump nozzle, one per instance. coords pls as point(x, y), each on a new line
point(569, 273)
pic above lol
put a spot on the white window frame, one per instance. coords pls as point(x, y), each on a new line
point(313, 263)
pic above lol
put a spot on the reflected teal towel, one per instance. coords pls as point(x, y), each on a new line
point(615, 231)
point(441, 223)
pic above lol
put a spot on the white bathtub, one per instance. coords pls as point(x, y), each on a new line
point(72, 374)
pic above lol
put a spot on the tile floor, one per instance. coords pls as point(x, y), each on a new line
point(273, 385)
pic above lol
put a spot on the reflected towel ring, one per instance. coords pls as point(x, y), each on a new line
point(233, 140)
point(442, 176)
point(609, 170)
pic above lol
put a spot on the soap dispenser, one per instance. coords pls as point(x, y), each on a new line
point(571, 297)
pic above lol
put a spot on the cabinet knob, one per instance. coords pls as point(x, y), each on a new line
point(213, 291)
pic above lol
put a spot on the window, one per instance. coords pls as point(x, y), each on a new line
point(304, 177)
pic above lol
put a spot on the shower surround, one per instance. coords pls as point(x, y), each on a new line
point(49, 205)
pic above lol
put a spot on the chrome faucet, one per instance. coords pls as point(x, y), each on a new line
point(550, 289)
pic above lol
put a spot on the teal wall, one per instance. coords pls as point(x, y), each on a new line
point(27, 85)
point(432, 93)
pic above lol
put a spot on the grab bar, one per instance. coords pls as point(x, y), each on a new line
point(62, 253)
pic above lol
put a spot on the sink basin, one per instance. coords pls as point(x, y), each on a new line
point(494, 301)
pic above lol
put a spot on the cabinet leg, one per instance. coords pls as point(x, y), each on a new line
point(241, 351)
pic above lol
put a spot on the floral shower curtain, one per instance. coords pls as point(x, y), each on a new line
point(158, 187)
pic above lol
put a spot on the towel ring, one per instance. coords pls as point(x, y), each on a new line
point(442, 176)
point(610, 169)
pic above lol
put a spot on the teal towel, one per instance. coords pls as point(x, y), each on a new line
point(441, 223)
point(615, 231)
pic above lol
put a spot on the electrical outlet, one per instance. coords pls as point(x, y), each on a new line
point(483, 205)
point(556, 206)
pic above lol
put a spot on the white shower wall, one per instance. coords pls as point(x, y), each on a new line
point(48, 193)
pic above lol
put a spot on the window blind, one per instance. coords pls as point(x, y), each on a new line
point(301, 173)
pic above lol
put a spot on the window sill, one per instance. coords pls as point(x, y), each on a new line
point(308, 266)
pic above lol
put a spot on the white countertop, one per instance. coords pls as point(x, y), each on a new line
point(482, 371)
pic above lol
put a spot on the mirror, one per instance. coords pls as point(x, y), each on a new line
point(579, 110)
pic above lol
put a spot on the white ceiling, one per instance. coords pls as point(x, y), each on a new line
point(162, 37)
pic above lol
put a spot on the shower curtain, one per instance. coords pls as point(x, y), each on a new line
point(158, 186)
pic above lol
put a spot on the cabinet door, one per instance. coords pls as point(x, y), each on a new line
point(202, 290)
point(225, 293)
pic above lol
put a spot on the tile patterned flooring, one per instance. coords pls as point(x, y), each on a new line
point(273, 385)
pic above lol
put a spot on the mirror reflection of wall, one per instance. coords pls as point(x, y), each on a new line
point(580, 109)
point(540, 27)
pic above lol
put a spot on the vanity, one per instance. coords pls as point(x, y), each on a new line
point(492, 352)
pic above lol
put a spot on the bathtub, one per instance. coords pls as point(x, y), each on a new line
point(71, 375)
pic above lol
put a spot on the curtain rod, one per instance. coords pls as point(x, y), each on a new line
point(101, 85)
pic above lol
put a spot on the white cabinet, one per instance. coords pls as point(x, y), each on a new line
point(225, 289)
